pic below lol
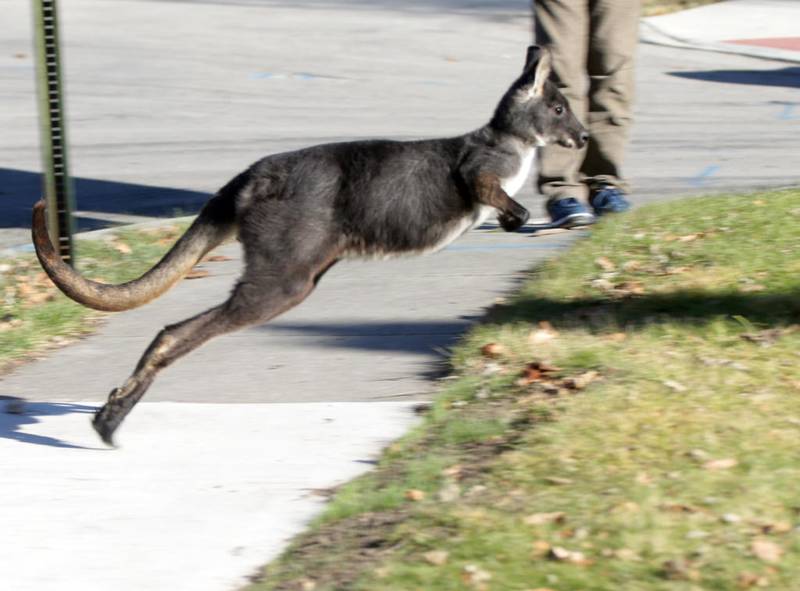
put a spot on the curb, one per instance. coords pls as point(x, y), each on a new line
point(654, 35)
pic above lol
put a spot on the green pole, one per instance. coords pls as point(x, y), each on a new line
point(57, 185)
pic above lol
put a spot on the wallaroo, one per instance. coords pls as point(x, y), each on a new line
point(297, 213)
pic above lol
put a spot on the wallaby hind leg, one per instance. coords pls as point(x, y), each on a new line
point(252, 302)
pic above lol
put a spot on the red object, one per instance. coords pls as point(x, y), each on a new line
point(790, 43)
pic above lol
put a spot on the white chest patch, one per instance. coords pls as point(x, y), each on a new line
point(511, 185)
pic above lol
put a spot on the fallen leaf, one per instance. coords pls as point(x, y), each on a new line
point(453, 471)
point(764, 337)
point(629, 288)
point(631, 266)
point(436, 557)
point(627, 554)
point(723, 464)
point(581, 381)
point(217, 258)
point(745, 580)
point(543, 334)
point(563, 555)
point(557, 480)
point(476, 576)
point(121, 247)
point(779, 527)
point(541, 548)
point(759, 202)
point(766, 550)
point(752, 288)
point(529, 376)
point(689, 237)
point(605, 264)
point(730, 518)
point(602, 284)
point(676, 386)
point(543, 518)
point(414, 494)
point(616, 337)
point(449, 492)
point(679, 570)
point(493, 350)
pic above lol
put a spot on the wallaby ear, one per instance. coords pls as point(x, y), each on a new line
point(537, 71)
point(532, 57)
point(544, 66)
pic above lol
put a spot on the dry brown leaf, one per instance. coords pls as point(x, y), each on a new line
point(679, 570)
point(557, 480)
point(752, 288)
point(675, 386)
point(581, 381)
point(631, 266)
point(414, 494)
point(779, 527)
point(543, 334)
point(529, 376)
point(493, 350)
point(605, 263)
point(759, 202)
point(436, 557)
point(616, 337)
point(541, 548)
point(602, 284)
point(121, 247)
point(475, 575)
point(628, 288)
point(766, 550)
point(745, 580)
point(627, 554)
point(722, 464)
point(197, 274)
point(543, 518)
point(453, 471)
point(449, 492)
point(690, 237)
point(563, 555)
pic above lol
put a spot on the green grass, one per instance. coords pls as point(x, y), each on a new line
point(677, 469)
point(35, 315)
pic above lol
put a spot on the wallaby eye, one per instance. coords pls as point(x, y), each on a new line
point(559, 109)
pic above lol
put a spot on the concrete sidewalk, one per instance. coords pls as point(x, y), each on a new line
point(216, 463)
point(757, 28)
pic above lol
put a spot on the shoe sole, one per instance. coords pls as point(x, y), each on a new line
point(574, 220)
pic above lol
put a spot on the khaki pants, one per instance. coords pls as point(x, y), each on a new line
point(593, 44)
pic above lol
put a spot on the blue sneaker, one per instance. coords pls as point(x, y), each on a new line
point(568, 213)
point(608, 199)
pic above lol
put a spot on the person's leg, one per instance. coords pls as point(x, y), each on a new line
point(562, 26)
point(613, 36)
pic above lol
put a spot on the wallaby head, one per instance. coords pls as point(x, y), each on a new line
point(534, 110)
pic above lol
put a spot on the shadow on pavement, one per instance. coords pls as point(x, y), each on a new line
point(422, 338)
point(27, 413)
point(20, 189)
point(787, 77)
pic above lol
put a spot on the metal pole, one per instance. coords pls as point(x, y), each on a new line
point(57, 185)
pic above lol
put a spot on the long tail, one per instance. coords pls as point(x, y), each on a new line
point(208, 231)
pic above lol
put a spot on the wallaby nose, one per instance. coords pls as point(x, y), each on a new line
point(584, 136)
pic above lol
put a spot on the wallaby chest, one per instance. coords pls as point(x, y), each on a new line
point(513, 183)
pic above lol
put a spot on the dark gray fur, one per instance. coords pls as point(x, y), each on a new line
point(298, 213)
